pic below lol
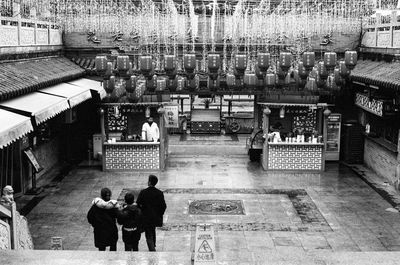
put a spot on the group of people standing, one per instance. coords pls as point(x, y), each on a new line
point(143, 216)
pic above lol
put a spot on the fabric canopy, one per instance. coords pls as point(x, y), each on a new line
point(74, 94)
point(40, 105)
point(90, 84)
point(13, 127)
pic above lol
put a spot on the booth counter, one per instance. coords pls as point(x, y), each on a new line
point(295, 156)
point(131, 155)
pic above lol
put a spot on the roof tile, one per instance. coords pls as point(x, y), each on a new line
point(22, 77)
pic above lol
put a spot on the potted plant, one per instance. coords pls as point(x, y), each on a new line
point(206, 102)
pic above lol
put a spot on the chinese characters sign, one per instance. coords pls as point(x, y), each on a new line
point(171, 116)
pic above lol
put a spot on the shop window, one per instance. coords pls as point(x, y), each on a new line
point(386, 129)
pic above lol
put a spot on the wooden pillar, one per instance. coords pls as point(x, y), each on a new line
point(256, 113)
point(161, 112)
point(103, 138)
point(264, 157)
point(397, 173)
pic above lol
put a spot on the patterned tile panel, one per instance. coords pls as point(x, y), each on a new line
point(131, 157)
point(294, 157)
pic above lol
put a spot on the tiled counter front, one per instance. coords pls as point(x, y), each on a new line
point(132, 156)
point(295, 156)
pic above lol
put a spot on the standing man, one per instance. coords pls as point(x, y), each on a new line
point(103, 222)
point(151, 201)
point(130, 218)
point(150, 131)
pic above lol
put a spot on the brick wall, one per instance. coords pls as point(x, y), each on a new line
point(131, 157)
point(381, 160)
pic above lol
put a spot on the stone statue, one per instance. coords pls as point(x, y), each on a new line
point(8, 196)
point(24, 239)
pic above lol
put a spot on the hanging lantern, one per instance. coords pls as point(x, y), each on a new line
point(303, 73)
point(311, 84)
point(343, 70)
point(270, 80)
point(309, 60)
point(189, 62)
point(250, 80)
point(285, 59)
point(322, 71)
point(130, 84)
point(109, 71)
point(181, 84)
point(279, 71)
point(240, 63)
point(109, 85)
point(214, 62)
point(101, 65)
point(147, 112)
point(122, 64)
point(263, 61)
point(161, 84)
point(130, 70)
point(230, 80)
point(169, 63)
point(330, 59)
point(331, 83)
point(350, 58)
point(338, 78)
point(146, 64)
point(258, 72)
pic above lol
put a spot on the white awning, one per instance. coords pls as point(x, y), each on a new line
point(40, 105)
point(90, 84)
point(74, 94)
point(13, 126)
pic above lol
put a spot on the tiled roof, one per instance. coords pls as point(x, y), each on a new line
point(378, 73)
point(22, 77)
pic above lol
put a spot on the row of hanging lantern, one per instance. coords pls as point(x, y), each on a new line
point(329, 73)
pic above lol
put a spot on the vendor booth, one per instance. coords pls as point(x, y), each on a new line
point(294, 136)
point(123, 148)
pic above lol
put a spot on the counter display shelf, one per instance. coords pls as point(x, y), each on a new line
point(296, 156)
point(120, 156)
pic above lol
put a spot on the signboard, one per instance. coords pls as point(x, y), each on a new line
point(204, 252)
point(56, 243)
point(171, 116)
point(32, 159)
point(374, 106)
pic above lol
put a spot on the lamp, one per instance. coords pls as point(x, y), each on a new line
point(282, 112)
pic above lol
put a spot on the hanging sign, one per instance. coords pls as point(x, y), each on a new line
point(374, 106)
point(32, 159)
point(171, 117)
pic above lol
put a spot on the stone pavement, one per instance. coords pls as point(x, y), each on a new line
point(286, 215)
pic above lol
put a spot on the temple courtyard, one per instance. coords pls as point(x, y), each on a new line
point(265, 212)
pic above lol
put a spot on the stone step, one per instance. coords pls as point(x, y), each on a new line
point(63, 257)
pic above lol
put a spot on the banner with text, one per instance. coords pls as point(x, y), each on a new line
point(171, 116)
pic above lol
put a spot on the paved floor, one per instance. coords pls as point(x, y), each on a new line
point(331, 212)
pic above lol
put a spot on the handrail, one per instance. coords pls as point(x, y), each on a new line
point(382, 31)
point(10, 216)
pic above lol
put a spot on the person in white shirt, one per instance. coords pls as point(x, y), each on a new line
point(150, 131)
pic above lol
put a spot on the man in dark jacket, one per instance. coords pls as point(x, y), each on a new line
point(103, 222)
point(151, 201)
point(130, 218)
